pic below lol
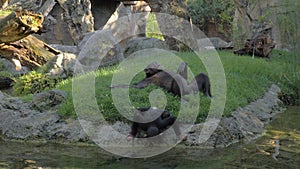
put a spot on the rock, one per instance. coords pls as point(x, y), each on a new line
point(250, 15)
point(102, 11)
point(66, 48)
point(99, 49)
point(19, 121)
point(62, 65)
point(248, 124)
point(78, 16)
point(46, 100)
point(126, 25)
point(217, 43)
point(245, 123)
point(8, 102)
point(5, 82)
point(8, 66)
point(141, 43)
point(84, 40)
point(141, 6)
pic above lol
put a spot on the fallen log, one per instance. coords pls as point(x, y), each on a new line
point(260, 44)
point(18, 25)
point(30, 51)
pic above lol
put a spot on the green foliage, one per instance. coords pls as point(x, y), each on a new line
point(288, 22)
point(204, 11)
point(288, 75)
point(34, 82)
point(5, 74)
point(5, 12)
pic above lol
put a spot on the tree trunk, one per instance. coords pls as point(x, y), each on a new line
point(18, 25)
point(30, 51)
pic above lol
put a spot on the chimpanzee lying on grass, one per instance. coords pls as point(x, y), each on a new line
point(173, 82)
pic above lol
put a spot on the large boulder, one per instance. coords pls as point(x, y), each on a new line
point(216, 42)
point(66, 48)
point(46, 100)
point(62, 65)
point(99, 48)
point(141, 43)
point(12, 67)
point(22, 121)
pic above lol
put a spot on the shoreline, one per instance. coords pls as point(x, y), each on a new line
point(22, 124)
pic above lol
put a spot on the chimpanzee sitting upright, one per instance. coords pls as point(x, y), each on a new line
point(154, 127)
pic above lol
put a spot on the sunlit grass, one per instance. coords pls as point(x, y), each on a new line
point(247, 80)
point(152, 28)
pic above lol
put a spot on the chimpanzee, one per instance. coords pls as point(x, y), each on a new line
point(174, 82)
point(155, 127)
point(201, 83)
point(152, 69)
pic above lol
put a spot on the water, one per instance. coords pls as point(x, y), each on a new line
point(278, 148)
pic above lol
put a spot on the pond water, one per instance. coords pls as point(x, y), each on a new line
point(278, 148)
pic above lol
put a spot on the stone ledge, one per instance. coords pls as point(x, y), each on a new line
point(244, 124)
point(22, 121)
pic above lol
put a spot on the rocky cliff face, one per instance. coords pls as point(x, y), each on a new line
point(67, 21)
point(250, 16)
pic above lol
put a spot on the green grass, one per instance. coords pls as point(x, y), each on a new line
point(247, 80)
point(152, 28)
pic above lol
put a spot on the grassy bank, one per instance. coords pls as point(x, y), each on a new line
point(247, 79)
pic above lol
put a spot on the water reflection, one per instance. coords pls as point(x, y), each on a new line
point(278, 148)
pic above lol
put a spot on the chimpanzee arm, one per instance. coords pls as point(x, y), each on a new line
point(143, 83)
point(168, 121)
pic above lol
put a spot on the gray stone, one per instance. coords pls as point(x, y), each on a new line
point(66, 48)
point(251, 15)
point(245, 123)
point(78, 16)
point(62, 65)
point(20, 121)
point(11, 68)
point(214, 43)
point(99, 49)
point(46, 100)
point(141, 43)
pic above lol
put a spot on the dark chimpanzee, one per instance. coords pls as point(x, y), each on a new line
point(155, 127)
point(152, 69)
point(201, 83)
point(174, 82)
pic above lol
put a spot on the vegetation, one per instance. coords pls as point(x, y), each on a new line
point(34, 82)
point(219, 12)
point(5, 12)
point(247, 80)
point(152, 28)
